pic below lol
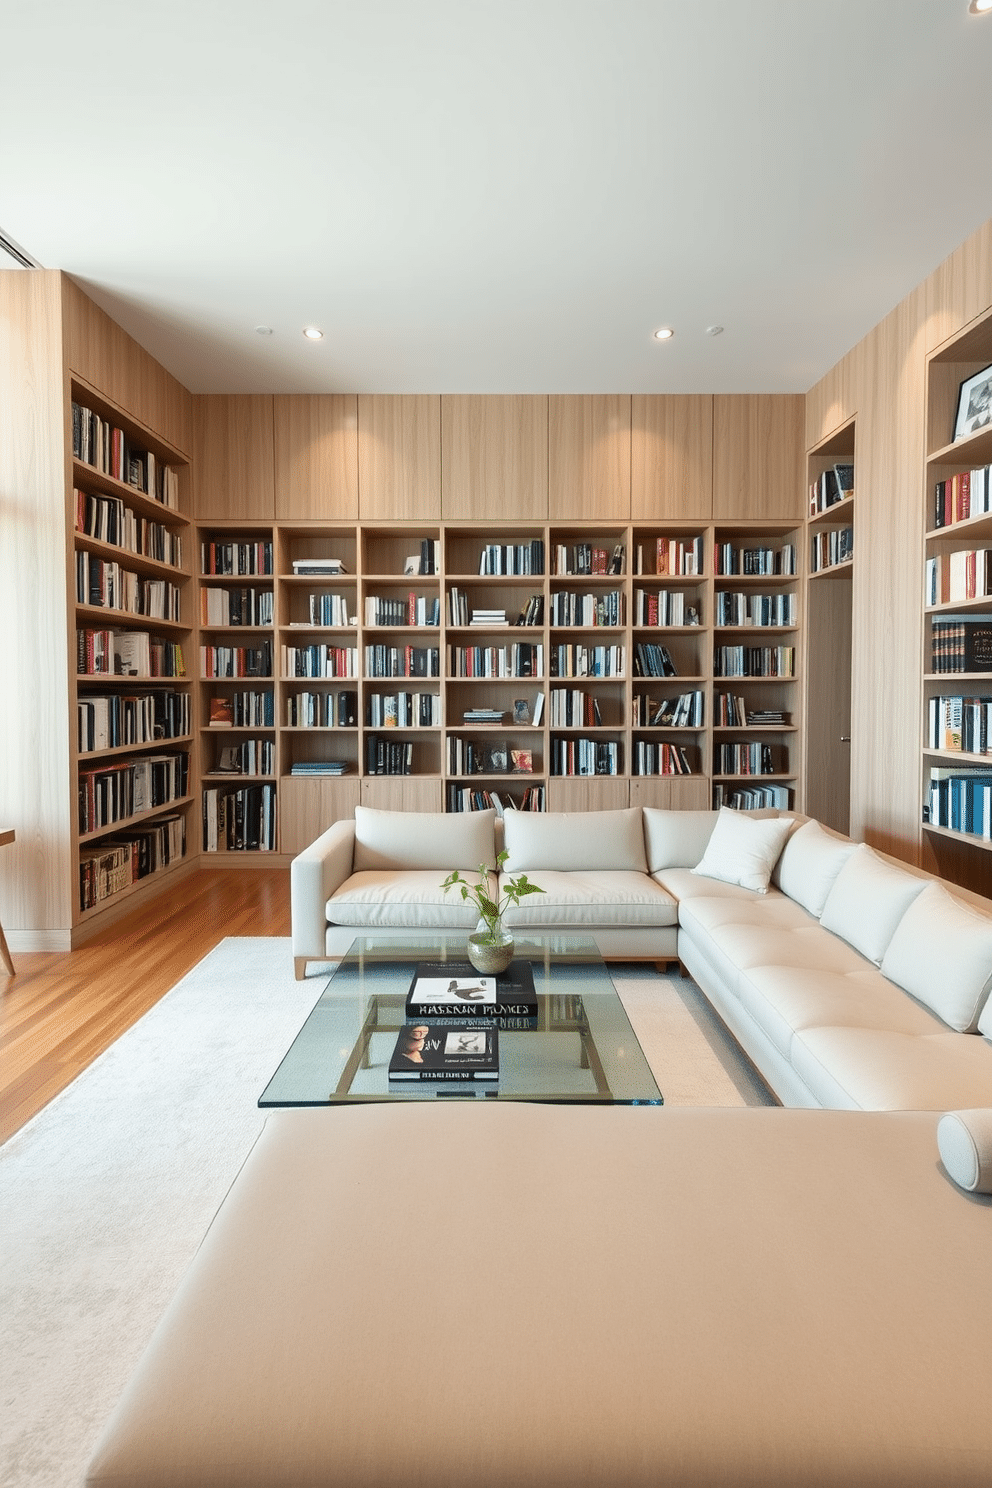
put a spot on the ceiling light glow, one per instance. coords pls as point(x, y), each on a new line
point(664, 333)
point(980, 7)
point(313, 333)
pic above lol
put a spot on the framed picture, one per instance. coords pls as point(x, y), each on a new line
point(523, 761)
point(521, 711)
point(496, 759)
point(411, 565)
point(974, 404)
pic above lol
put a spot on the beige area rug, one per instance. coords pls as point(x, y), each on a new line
point(106, 1194)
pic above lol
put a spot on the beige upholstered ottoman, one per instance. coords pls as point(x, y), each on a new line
point(469, 1294)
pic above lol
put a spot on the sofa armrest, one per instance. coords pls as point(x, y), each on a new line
point(314, 875)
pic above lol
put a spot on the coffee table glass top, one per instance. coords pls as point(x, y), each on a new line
point(582, 1048)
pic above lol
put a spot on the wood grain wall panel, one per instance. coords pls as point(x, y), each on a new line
point(37, 876)
point(671, 456)
point(602, 793)
point(233, 457)
point(399, 457)
point(589, 457)
point(758, 448)
point(834, 399)
point(960, 288)
point(309, 807)
point(104, 355)
point(402, 792)
point(494, 457)
point(316, 456)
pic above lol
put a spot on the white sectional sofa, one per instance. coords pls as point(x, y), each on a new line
point(852, 981)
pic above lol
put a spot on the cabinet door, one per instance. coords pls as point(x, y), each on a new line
point(402, 792)
point(309, 807)
point(399, 457)
point(494, 458)
point(589, 457)
point(316, 456)
point(671, 456)
point(758, 441)
point(233, 457)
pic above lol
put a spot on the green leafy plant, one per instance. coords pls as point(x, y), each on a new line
point(491, 910)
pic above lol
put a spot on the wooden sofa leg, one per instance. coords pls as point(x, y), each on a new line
point(300, 967)
point(667, 968)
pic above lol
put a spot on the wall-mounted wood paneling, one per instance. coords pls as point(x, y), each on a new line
point(316, 456)
point(671, 456)
point(494, 457)
point(104, 355)
point(234, 457)
point(961, 288)
point(589, 457)
point(399, 457)
point(758, 448)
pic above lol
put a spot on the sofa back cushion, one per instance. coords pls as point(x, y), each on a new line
point(744, 849)
point(811, 859)
point(576, 840)
point(941, 953)
point(868, 899)
point(676, 839)
point(423, 839)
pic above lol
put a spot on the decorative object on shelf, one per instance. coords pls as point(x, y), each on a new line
point(490, 946)
point(974, 404)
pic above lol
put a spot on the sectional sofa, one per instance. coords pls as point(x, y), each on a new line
point(851, 981)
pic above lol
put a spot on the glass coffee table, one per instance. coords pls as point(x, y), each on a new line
point(580, 1048)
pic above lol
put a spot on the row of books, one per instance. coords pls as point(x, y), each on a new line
point(831, 486)
point(828, 549)
point(567, 608)
point(402, 661)
point(241, 820)
point(666, 607)
point(117, 862)
point(242, 710)
point(966, 494)
point(961, 643)
point(414, 609)
point(114, 792)
point(404, 710)
point(751, 797)
point(960, 800)
point(588, 661)
point(240, 559)
point(236, 661)
point(109, 519)
point(117, 720)
point(513, 558)
point(106, 585)
point(754, 661)
point(732, 712)
point(572, 708)
point(329, 609)
point(388, 756)
point(760, 561)
point(586, 558)
point(653, 661)
point(746, 759)
point(320, 660)
point(127, 653)
point(755, 609)
point(523, 659)
point(322, 710)
point(231, 606)
point(99, 443)
point(495, 757)
point(964, 574)
point(585, 757)
point(684, 711)
point(960, 723)
point(248, 757)
point(660, 759)
point(677, 556)
point(473, 798)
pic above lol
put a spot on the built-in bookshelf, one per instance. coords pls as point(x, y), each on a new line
point(133, 756)
point(956, 775)
point(451, 666)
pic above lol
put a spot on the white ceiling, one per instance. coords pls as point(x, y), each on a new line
point(495, 195)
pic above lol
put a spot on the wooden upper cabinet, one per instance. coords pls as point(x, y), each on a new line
point(233, 456)
point(494, 457)
point(316, 456)
point(671, 456)
point(589, 457)
point(758, 450)
point(399, 457)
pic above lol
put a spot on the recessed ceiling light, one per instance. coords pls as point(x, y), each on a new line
point(263, 330)
point(980, 7)
point(714, 330)
point(313, 333)
point(664, 333)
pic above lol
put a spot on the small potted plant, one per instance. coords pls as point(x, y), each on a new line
point(490, 946)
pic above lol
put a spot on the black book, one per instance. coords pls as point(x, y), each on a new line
point(454, 989)
point(445, 1051)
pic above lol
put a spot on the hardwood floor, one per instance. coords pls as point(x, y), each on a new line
point(64, 1008)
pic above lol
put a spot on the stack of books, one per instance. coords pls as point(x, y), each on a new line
point(489, 617)
point(483, 715)
point(319, 767)
point(318, 566)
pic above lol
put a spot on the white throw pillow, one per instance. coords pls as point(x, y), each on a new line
point(423, 839)
point(810, 861)
point(743, 850)
point(867, 901)
point(941, 953)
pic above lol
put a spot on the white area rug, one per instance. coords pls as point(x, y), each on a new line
point(106, 1194)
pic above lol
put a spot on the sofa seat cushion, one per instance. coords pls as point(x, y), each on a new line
point(607, 897)
point(410, 899)
point(873, 1069)
point(772, 910)
point(801, 947)
point(684, 884)
point(782, 1000)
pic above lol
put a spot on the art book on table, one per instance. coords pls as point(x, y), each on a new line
point(454, 989)
point(445, 1051)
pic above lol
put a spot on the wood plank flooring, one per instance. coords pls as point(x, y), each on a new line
point(64, 1008)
